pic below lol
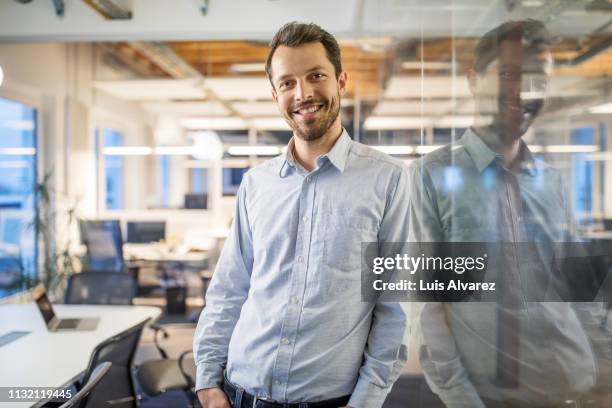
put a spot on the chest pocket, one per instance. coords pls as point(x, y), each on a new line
point(343, 234)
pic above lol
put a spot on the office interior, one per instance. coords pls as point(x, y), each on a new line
point(126, 128)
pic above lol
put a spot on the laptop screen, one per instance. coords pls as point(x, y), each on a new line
point(42, 301)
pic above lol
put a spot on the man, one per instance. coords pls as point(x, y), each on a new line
point(284, 319)
point(487, 187)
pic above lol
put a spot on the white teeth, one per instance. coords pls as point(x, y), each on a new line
point(310, 109)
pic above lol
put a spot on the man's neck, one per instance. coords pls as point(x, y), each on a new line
point(306, 152)
point(509, 149)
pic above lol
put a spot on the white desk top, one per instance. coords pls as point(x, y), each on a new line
point(45, 359)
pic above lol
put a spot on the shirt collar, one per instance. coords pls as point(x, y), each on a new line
point(483, 156)
point(337, 155)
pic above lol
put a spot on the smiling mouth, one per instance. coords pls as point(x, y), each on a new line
point(309, 109)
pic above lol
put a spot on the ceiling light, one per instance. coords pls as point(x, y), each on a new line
point(605, 108)
point(395, 122)
point(242, 68)
point(127, 151)
point(18, 151)
point(394, 150)
point(427, 65)
point(1, 75)
point(254, 150)
point(208, 145)
point(571, 148)
point(422, 149)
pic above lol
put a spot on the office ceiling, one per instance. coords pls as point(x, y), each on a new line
point(164, 20)
point(403, 57)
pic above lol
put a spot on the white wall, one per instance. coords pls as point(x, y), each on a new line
point(56, 79)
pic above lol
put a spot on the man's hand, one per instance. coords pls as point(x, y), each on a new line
point(213, 398)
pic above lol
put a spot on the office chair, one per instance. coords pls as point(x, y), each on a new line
point(104, 244)
point(80, 398)
point(169, 374)
point(117, 387)
point(101, 288)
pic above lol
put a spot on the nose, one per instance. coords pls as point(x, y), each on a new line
point(303, 91)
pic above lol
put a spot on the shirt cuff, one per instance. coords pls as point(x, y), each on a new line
point(209, 376)
point(367, 395)
point(462, 396)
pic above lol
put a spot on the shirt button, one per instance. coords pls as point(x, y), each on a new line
point(305, 218)
point(295, 300)
point(285, 341)
point(308, 179)
point(277, 382)
point(300, 259)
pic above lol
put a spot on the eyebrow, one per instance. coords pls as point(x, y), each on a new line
point(315, 68)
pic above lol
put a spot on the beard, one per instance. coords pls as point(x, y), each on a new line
point(513, 117)
point(313, 129)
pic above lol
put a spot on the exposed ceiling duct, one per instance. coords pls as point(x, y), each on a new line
point(59, 6)
point(111, 9)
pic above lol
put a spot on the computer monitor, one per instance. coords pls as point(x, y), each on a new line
point(196, 201)
point(144, 232)
point(231, 178)
point(104, 244)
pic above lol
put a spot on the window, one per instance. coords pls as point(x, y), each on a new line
point(114, 171)
point(583, 171)
point(18, 238)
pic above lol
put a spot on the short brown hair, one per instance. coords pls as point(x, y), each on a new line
point(533, 36)
point(295, 34)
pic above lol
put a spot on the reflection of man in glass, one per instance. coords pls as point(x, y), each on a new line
point(488, 188)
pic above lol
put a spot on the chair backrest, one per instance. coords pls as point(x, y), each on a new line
point(80, 398)
point(116, 389)
point(104, 244)
point(101, 288)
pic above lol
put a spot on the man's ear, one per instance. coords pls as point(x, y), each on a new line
point(472, 77)
point(342, 83)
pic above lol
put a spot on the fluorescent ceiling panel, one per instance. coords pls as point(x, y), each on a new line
point(605, 108)
point(400, 87)
point(250, 109)
point(395, 122)
point(390, 108)
point(240, 88)
point(153, 89)
point(208, 108)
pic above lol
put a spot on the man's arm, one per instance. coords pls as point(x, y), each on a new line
point(224, 299)
point(386, 350)
point(436, 347)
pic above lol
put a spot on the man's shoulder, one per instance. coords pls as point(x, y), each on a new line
point(269, 166)
point(360, 151)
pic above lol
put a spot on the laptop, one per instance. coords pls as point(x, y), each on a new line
point(55, 324)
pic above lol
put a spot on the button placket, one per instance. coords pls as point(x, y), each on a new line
point(289, 324)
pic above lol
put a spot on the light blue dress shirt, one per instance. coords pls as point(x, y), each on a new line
point(284, 314)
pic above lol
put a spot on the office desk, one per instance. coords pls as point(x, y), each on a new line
point(161, 253)
point(45, 359)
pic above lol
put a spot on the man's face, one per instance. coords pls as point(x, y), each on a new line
point(306, 89)
point(512, 89)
